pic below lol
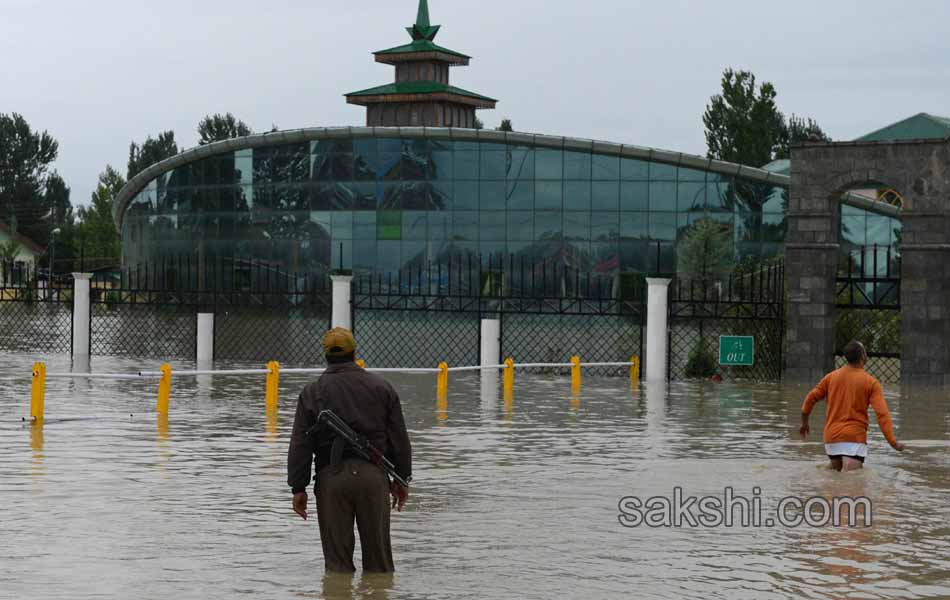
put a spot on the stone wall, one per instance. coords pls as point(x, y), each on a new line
point(920, 172)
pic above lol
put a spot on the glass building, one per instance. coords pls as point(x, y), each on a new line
point(420, 186)
point(381, 199)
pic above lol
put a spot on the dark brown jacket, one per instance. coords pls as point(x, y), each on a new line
point(366, 402)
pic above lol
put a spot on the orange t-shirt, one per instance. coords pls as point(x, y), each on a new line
point(849, 391)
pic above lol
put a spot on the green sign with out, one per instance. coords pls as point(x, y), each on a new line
point(736, 351)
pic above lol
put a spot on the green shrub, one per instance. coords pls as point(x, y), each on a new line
point(701, 363)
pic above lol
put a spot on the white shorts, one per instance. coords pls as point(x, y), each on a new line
point(847, 449)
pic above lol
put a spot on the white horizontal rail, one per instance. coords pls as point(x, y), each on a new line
point(117, 376)
point(317, 371)
point(196, 373)
point(383, 370)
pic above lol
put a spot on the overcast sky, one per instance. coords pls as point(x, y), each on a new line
point(98, 74)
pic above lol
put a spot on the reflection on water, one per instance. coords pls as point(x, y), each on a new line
point(270, 429)
point(511, 500)
point(442, 408)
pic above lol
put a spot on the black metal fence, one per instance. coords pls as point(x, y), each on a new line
point(35, 313)
point(868, 309)
point(150, 310)
point(548, 312)
point(748, 304)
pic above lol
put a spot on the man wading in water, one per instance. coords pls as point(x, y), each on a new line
point(349, 487)
point(849, 391)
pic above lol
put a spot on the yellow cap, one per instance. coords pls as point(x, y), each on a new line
point(339, 342)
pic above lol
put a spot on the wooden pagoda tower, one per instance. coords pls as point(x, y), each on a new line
point(421, 95)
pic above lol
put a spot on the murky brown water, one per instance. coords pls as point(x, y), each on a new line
point(514, 500)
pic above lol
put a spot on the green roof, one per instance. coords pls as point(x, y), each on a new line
point(422, 32)
point(419, 87)
point(918, 127)
point(421, 46)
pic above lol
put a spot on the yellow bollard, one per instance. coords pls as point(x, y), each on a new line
point(442, 381)
point(38, 393)
point(164, 389)
point(508, 379)
point(576, 373)
point(361, 363)
point(634, 370)
point(272, 386)
point(442, 393)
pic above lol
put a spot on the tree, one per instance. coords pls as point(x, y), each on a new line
point(97, 233)
point(25, 159)
point(505, 125)
point(743, 123)
point(151, 152)
point(479, 124)
point(706, 253)
point(745, 126)
point(800, 130)
point(218, 127)
point(60, 216)
point(56, 199)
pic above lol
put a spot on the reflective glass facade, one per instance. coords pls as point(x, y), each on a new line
point(864, 234)
point(378, 204)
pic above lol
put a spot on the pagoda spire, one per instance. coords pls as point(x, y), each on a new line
point(422, 18)
point(423, 29)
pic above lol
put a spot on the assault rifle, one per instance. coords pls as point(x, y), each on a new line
point(358, 443)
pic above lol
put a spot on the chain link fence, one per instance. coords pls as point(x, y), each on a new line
point(35, 313)
point(35, 327)
point(747, 304)
point(867, 298)
point(548, 313)
point(694, 349)
point(142, 331)
point(292, 337)
point(879, 329)
point(417, 338)
point(554, 338)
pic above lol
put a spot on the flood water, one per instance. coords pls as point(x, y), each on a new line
point(513, 499)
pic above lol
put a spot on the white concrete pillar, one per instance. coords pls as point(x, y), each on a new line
point(491, 342)
point(657, 334)
point(81, 301)
point(205, 342)
point(341, 314)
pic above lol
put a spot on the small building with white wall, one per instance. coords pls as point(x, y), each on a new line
point(14, 269)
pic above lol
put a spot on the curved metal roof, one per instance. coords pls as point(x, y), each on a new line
point(138, 183)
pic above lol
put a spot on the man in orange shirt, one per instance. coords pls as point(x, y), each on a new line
point(849, 391)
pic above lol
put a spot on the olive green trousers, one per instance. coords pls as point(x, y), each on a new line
point(354, 491)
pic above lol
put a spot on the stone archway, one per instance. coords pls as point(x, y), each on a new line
point(920, 172)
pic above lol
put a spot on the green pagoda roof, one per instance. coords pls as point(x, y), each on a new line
point(419, 87)
point(921, 126)
point(423, 33)
point(420, 46)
